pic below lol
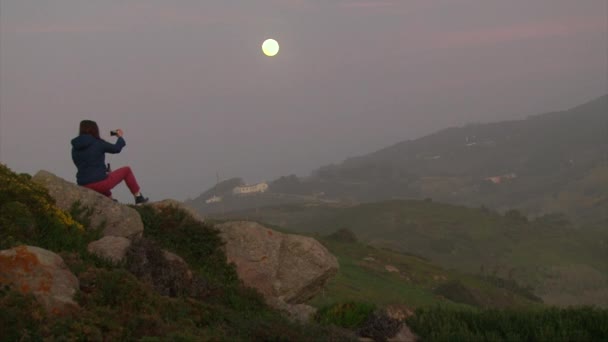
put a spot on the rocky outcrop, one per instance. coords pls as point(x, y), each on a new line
point(289, 267)
point(42, 273)
point(113, 248)
point(116, 219)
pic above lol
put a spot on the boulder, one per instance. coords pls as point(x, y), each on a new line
point(113, 248)
point(173, 203)
point(404, 335)
point(399, 312)
point(42, 273)
point(391, 269)
point(289, 267)
point(116, 219)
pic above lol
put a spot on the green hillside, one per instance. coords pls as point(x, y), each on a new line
point(541, 158)
point(564, 264)
point(384, 277)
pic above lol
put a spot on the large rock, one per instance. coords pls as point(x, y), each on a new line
point(113, 248)
point(117, 219)
point(289, 267)
point(37, 271)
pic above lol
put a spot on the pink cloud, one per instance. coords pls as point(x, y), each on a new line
point(533, 31)
point(65, 28)
point(124, 18)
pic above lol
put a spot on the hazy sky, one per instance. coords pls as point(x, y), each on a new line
point(187, 81)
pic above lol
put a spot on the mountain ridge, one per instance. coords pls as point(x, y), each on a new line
point(541, 156)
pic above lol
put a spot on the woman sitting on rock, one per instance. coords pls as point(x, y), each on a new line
point(88, 154)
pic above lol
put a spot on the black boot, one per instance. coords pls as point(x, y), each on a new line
point(141, 199)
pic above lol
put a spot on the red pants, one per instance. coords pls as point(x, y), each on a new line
point(115, 177)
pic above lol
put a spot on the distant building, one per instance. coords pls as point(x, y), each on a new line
point(250, 189)
point(214, 199)
point(500, 179)
point(495, 179)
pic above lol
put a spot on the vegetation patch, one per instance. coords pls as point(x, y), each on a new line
point(114, 305)
point(547, 324)
point(348, 315)
point(344, 235)
point(28, 215)
point(379, 326)
point(457, 292)
point(509, 246)
point(20, 316)
point(200, 245)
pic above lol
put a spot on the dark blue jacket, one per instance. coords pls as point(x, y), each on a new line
point(88, 154)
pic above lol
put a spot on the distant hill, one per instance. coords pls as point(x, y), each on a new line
point(538, 165)
point(514, 164)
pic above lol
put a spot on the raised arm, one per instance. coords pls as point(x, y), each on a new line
point(114, 148)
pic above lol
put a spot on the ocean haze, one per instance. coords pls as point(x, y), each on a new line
point(189, 85)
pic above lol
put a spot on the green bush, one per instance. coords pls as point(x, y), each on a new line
point(28, 215)
point(20, 316)
point(200, 245)
point(348, 315)
point(457, 292)
point(547, 324)
point(380, 326)
point(344, 235)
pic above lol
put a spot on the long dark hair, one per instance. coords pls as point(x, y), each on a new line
point(89, 127)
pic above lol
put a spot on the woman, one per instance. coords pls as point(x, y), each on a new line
point(88, 154)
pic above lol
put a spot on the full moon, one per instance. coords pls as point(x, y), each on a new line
point(270, 47)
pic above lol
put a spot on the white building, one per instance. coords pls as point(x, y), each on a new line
point(214, 199)
point(250, 189)
point(501, 179)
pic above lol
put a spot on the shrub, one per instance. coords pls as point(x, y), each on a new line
point(457, 292)
point(344, 235)
point(197, 242)
point(20, 316)
point(513, 286)
point(28, 215)
point(379, 326)
point(547, 324)
point(146, 260)
point(200, 245)
point(348, 315)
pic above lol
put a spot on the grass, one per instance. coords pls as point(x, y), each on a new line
point(469, 240)
point(347, 315)
point(363, 277)
point(547, 324)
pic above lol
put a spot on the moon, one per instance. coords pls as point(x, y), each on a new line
point(270, 47)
